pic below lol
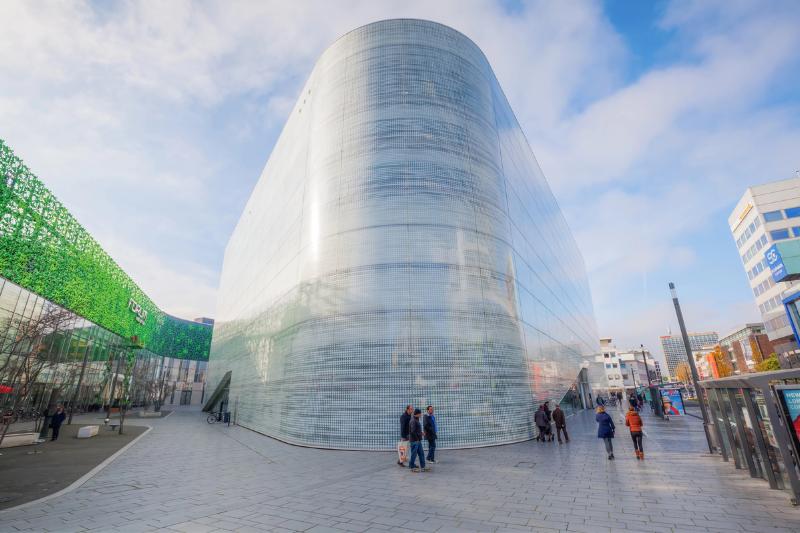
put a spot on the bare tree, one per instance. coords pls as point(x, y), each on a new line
point(28, 350)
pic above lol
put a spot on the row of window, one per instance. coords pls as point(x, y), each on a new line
point(748, 232)
point(780, 234)
point(765, 285)
point(773, 303)
point(772, 216)
point(751, 252)
point(758, 269)
point(780, 321)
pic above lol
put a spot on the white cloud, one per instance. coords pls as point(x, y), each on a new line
point(150, 120)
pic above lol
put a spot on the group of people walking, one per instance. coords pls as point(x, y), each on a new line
point(544, 418)
point(606, 429)
point(412, 431)
point(414, 427)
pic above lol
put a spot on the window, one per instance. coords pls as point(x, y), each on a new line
point(608, 365)
point(605, 355)
point(615, 365)
point(772, 216)
point(792, 212)
point(796, 231)
point(779, 234)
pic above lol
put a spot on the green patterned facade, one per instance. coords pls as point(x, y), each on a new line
point(45, 250)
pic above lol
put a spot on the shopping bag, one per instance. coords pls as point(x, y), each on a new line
point(402, 451)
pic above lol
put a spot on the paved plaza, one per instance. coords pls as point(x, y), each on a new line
point(187, 475)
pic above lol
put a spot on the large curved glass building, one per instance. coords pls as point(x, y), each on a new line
point(402, 246)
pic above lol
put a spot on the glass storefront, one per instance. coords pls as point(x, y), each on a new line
point(77, 363)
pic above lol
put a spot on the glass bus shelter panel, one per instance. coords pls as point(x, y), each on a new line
point(745, 434)
point(768, 451)
point(736, 445)
point(722, 422)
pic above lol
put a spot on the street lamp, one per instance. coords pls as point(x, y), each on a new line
point(695, 379)
point(655, 401)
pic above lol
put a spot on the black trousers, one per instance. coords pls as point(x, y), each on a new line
point(559, 429)
point(637, 441)
point(55, 432)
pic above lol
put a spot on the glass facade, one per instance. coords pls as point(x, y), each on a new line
point(79, 360)
point(402, 246)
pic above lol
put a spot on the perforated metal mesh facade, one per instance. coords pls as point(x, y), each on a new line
point(402, 246)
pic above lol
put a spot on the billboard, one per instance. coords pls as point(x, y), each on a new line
point(672, 400)
point(789, 396)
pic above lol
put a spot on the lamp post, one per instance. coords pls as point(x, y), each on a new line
point(695, 378)
point(655, 401)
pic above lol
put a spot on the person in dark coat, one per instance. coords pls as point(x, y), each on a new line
point(549, 433)
point(415, 438)
point(605, 429)
point(633, 402)
point(405, 419)
point(431, 433)
point(561, 423)
point(541, 421)
point(57, 420)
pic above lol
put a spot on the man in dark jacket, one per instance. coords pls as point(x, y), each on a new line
point(430, 429)
point(405, 419)
point(415, 438)
point(561, 423)
point(57, 420)
point(542, 422)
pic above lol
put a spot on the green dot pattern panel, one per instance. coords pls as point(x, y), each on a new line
point(45, 250)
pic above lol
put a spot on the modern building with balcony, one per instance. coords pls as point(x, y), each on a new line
point(402, 246)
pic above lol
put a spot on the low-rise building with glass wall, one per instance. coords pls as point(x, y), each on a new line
point(402, 246)
point(74, 327)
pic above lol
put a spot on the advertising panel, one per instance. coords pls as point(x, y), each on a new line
point(789, 396)
point(672, 400)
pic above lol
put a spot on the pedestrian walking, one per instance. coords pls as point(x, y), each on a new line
point(561, 423)
point(431, 433)
point(600, 400)
point(619, 397)
point(605, 430)
point(541, 421)
point(633, 402)
point(549, 427)
point(57, 420)
point(402, 446)
point(634, 422)
point(415, 438)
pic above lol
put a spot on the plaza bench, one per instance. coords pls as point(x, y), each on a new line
point(88, 431)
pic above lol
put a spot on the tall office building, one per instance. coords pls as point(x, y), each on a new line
point(764, 215)
point(675, 352)
point(402, 246)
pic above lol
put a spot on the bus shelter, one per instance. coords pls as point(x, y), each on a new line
point(755, 423)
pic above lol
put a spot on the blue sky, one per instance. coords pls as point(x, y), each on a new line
point(152, 122)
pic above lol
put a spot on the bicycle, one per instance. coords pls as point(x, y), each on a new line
point(213, 417)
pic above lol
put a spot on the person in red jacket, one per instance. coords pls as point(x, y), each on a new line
point(634, 422)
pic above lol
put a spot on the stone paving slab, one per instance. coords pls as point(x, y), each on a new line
point(187, 475)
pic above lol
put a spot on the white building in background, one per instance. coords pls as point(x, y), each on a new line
point(675, 351)
point(625, 370)
point(766, 214)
